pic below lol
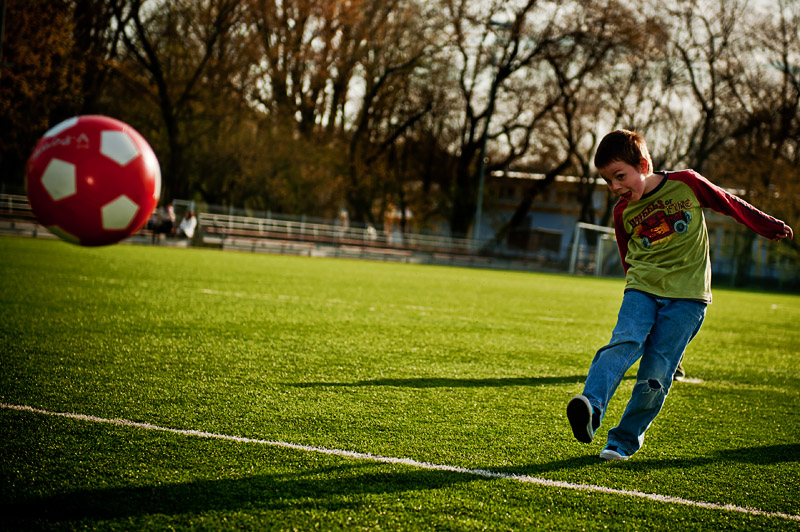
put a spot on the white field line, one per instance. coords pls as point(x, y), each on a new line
point(414, 463)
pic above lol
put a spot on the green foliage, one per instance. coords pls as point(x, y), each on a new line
point(462, 367)
point(39, 78)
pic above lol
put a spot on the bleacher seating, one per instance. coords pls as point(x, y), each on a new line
point(298, 237)
point(233, 231)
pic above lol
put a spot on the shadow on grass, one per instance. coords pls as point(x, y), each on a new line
point(445, 382)
point(768, 454)
point(331, 489)
point(765, 455)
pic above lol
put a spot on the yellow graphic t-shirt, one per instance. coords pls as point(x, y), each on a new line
point(663, 240)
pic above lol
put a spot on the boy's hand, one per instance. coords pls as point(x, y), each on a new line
point(787, 233)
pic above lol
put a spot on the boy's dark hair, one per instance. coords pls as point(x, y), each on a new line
point(623, 145)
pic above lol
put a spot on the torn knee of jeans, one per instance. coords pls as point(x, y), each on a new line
point(654, 385)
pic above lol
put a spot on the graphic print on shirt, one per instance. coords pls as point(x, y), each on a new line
point(661, 221)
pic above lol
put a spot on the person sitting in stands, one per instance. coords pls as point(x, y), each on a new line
point(187, 226)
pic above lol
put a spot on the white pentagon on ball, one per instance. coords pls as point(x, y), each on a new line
point(118, 146)
point(59, 179)
point(58, 128)
point(119, 213)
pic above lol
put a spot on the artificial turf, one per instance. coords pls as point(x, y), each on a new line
point(460, 367)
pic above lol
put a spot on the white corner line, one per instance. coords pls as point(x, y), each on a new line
point(414, 463)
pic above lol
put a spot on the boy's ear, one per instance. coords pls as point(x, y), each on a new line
point(644, 166)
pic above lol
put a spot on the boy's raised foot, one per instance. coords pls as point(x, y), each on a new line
point(579, 414)
point(612, 452)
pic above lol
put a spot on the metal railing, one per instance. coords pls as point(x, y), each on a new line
point(15, 205)
point(233, 226)
point(215, 225)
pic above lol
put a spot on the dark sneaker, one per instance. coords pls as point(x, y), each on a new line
point(579, 414)
point(612, 452)
point(680, 373)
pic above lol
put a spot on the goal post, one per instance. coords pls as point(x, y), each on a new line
point(588, 255)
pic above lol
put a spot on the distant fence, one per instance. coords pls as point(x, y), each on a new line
point(230, 226)
point(15, 208)
point(16, 215)
point(592, 249)
point(301, 236)
point(248, 233)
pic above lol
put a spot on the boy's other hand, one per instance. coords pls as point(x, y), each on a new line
point(787, 233)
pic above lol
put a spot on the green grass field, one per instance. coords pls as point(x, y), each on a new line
point(452, 367)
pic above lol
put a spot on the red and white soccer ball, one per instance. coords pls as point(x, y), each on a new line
point(93, 180)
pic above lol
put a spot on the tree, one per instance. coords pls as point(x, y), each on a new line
point(495, 48)
point(343, 74)
point(703, 37)
point(172, 50)
point(40, 80)
point(633, 89)
point(94, 49)
point(586, 40)
point(736, 103)
point(394, 72)
point(761, 156)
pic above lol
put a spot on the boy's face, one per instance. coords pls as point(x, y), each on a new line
point(625, 180)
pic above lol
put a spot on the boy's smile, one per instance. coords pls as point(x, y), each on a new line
point(628, 182)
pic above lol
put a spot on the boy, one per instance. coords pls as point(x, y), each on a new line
point(663, 242)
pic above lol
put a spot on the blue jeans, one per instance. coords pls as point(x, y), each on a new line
point(657, 330)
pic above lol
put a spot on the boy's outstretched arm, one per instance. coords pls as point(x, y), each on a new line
point(718, 199)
